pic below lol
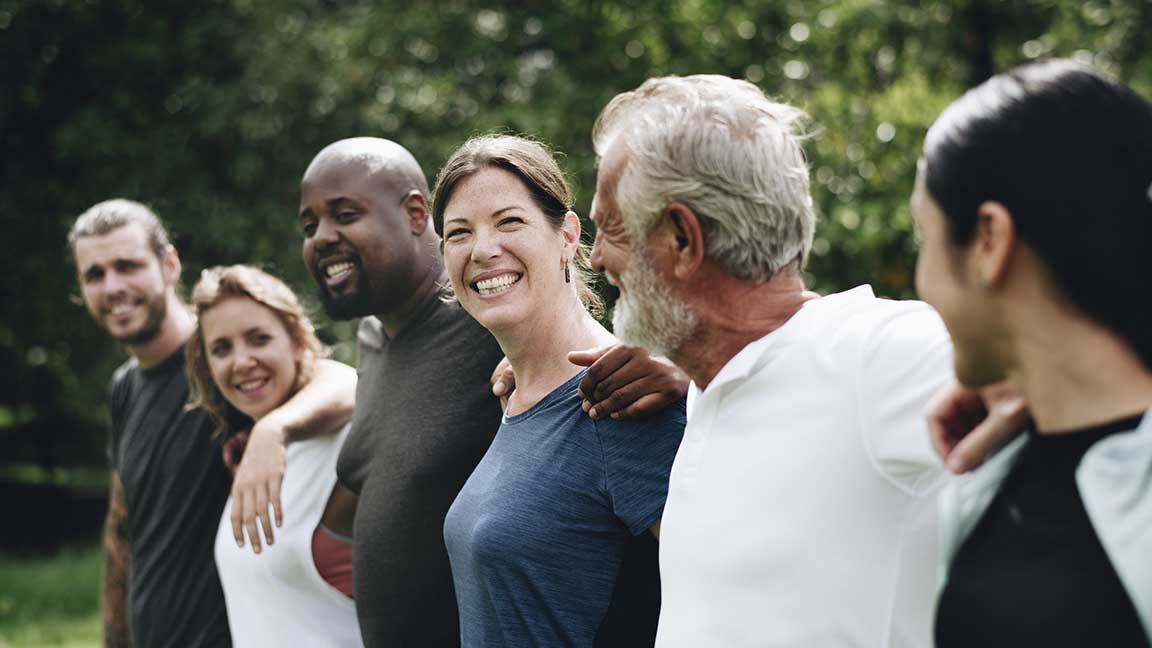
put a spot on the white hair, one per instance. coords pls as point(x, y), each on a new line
point(726, 150)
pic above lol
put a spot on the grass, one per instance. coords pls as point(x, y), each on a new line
point(51, 600)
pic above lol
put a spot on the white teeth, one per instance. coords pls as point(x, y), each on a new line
point(338, 269)
point(250, 385)
point(120, 309)
point(496, 284)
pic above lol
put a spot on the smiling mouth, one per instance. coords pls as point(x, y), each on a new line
point(496, 285)
point(338, 271)
point(249, 386)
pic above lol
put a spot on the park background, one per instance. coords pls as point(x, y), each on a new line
point(210, 110)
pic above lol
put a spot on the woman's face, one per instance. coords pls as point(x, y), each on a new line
point(943, 279)
point(251, 356)
point(503, 256)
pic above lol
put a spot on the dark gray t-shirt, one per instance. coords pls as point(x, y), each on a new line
point(175, 486)
point(539, 533)
point(424, 417)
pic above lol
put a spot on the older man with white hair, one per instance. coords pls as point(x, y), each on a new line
point(800, 510)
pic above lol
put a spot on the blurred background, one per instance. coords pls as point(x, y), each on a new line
point(209, 112)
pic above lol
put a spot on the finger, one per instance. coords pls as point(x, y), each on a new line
point(262, 513)
point(274, 497)
point(616, 401)
point(249, 515)
point(503, 380)
point(602, 369)
point(237, 518)
point(586, 357)
point(1002, 424)
point(640, 374)
point(643, 406)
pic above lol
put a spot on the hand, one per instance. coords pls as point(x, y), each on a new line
point(627, 382)
point(257, 484)
point(503, 382)
point(233, 450)
point(967, 426)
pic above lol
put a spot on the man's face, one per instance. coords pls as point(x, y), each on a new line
point(124, 284)
point(356, 243)
point(646, 313)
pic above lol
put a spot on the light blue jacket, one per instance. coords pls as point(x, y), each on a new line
point(1115, 481)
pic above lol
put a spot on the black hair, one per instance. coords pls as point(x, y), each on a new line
point(1068, 152)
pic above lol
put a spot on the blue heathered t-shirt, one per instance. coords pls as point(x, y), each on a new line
point(539, 534)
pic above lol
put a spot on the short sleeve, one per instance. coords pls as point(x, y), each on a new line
point(116, 396)
point(906, 362)
point(638, 457)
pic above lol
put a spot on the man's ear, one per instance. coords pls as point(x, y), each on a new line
point(687, 238)
point(994, 243)
point(170, 266)
point(415, 207)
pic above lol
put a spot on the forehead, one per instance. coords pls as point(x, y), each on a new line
point(486, 191)
point(127, 242)
point(608, 176)
point(236, 315)
point(336, 178)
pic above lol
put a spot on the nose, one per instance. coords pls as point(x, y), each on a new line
point(486, 245)
point(243, 360)
point(113, 283)
point(327, 233)
point(596, 259)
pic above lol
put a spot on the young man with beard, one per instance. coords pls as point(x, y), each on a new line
point(168, 483)
point(800, 508)
point(425, 413)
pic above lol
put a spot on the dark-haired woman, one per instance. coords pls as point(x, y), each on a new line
point(549, 539)
point(1034, 204)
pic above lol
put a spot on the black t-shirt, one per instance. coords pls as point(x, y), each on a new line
point(425, 416)
point(175, 486)
point(1033, 571)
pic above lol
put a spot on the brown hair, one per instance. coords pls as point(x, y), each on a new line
point(535, 165)
point(224, 282)
point(104, 217)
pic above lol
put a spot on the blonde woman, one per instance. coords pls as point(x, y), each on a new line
point(252, 350)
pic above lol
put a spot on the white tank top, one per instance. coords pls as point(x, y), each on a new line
point(278, 598)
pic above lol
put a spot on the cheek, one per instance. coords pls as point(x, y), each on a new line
point(218, 368)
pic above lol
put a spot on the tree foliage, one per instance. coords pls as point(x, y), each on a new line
point(209, 112)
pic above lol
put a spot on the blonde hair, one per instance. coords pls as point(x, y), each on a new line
point(225, 282)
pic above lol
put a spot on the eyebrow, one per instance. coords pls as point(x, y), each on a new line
point(492, 215)
point(330, 204)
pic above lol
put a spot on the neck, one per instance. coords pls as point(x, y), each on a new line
point(174, 332)
point(427, 288)
point(538, 350)
point(1076, 374)
point(734, 313)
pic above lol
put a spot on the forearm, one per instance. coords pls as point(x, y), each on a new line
point(320, 407)
point(114, 591)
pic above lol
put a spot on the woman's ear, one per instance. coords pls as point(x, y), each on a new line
point(571, 231)
point(995, 241)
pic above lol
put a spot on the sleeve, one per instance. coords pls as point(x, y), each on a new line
point(116, 396)
point(906, 362)
point(638, 457)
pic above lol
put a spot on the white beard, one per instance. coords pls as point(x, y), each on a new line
point(646, 314)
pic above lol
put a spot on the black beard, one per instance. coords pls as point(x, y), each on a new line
point(345, 307)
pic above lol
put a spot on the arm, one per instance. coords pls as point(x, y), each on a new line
point(623, 382)
point(967, 426)
point(114, 593)
point(320, 407)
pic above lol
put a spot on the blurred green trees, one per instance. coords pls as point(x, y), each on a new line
point(209, 111)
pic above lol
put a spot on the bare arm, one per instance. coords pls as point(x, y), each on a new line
point(114, 593)
point(968, 426)
point(321, 407)
point(622, 382)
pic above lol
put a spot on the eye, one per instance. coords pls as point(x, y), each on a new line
point(259, 339)
point(346, 216)
point(219, 349)
point(455, 233)
point(308, 228)
point(510, 222)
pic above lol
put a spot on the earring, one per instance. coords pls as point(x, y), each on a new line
point(567, 275)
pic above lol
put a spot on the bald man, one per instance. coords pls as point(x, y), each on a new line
point(425, 413)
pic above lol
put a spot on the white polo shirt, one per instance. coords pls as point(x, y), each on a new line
point(796, 512)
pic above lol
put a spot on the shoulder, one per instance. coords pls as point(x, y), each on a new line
point(858, 319)
point(120, 387)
